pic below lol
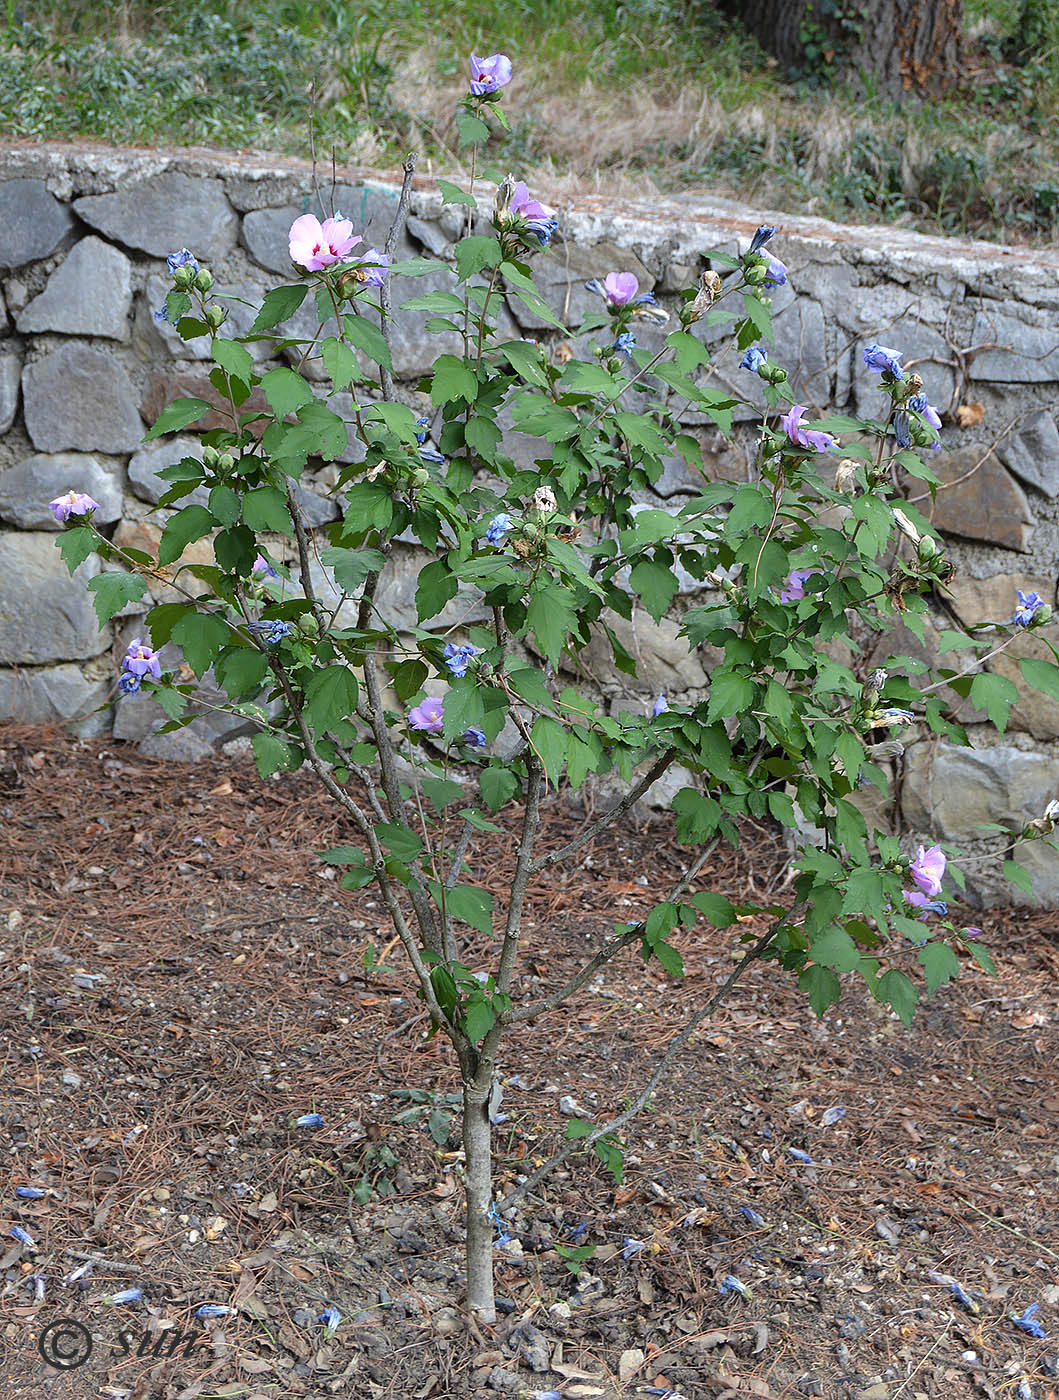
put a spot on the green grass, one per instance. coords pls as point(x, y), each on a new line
point(630, 95)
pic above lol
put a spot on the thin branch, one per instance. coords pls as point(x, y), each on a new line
point(385, 377)
point(531, 817)
point(675, 1046)
point(619, 809)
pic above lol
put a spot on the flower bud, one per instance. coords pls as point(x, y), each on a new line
point(309, 625)
point(184, 278)
point(203, 279)
point(210, 458)
point(756, 274)
point(1042, 615)
point(225, 462)
point(774, 374)
point(216, 317)
point(906, 527)
point(927, 549)
point(420, 477)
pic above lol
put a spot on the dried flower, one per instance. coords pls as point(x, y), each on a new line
point(309, 1120)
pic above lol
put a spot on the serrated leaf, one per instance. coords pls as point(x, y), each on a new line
point(191, 523)
point(200, 636)
point(279, 305)
point(452, 194)
point(497, 786)
point(548, 739)
point(453, 380)
point(898, 991)
point(330, 695)
point(339, 361)
point(994, 694)
point(113, 590)
point(265, 508)
point(821, 986)
point(1042, 675)
point(939, 963)
point(233, 358)
point(474, 253)
point(367, 337)
point(76, 545)
point(471, 906)
point(285, 391)
point(178, 415)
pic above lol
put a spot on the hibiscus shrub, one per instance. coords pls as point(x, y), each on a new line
point(426, 735)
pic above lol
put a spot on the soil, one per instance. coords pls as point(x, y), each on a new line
point(183, 980)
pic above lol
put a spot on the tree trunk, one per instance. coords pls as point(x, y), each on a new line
point(899, 45)
point(478, 1188)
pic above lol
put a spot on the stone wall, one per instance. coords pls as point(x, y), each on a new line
point(84, 368)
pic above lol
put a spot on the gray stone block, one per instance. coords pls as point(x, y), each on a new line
point(10, 375)
point(1033, 453)
point(45, 614)
point(432, 236)
point(55, 695)
point(370, 208)
point(952, 791)
point(1030, 356)
point(144, 465)
point(414, 348)
point(88, 294)
point(32, 222)
point(26, 489)
point(80, 400)
point(165, 213)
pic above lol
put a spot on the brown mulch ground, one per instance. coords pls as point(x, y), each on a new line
point(181, 980)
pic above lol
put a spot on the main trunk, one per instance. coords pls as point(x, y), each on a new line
point(901, 45)
point(478, 1187)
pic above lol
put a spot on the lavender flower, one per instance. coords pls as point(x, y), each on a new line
point(760, 238)
point(776, 275)
point(928, 870)
point(531, 215)
point(919, 404)
point(754, 358)
point(925, 904)
point(431, 454)
point(73, 503)
point(30, 1193)
point(1028, 605)
point(141, 660)
point(617, 288)
point(731, 1284)
point(660, 706)
point(752, 1217)
point(331, 1318)
point(498, 528)
point(631, 1247)
point(490, 74)
point(832, 1116)
point(372, 268)
point(309, 1120)
point(474, 737)
point(212, 1310)
point(423, 424)
point(428, 715)
point(128, 684)
point(23, 1236)
point(793, 590)
point(791, 423)
point(458, 658)
point(797, 1155)
point(271, 631)
point(183, 258)
point(127, 1295)
point(162, 314)
point(880, 360)
point(263, 567)
point(1028, 1323)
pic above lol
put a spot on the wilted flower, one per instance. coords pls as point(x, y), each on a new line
point(791, 423)
point(901, 430)
point(535, 217)
point(798, 1155)
point(754, 358)
point(430, 454)
point(919, 404)
point(428, 715)
point(881, 360)
point(498, 528)
point(212, 1310)
point(457, 658)
point(141, 660)
point(128, 684)
point(544, 498)
point(709, 291)
point(30, 1193)
point(369, 270)
point(1027, 608)
point(925, 904)
point(423, 424)
point(660, 706)
point(832, 1116)
point(23, 1236)
point(263, 567)
point(895, 716)
point(906, 527)
point(162, 314)
point(776, 275)
point(1028, 1323)
point(183, 258)
point(315, 245)
point(928, 870)
point(271, 631)
point(631, 1247)
point(330, 1317)
point(73, 503)
point(794, 589)
point(731, 1284)
point(127, 1295)
point(760, 238)
point(474, 737)
point(309, 1120)
point(752, 1217)
point(846, 475)
point(623, 345)
point(489, 74)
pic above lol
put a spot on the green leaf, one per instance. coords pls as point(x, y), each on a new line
point(939, 963)
point(442, 792)
point(479, 1018)
point(436, 587)
point(76, 545)
point(340, 362)
point(398, 417)
point(474, 253)
point(191, 523)
point(233, 358)
point(834, 948)
point(730, 694)
point(548, 739)
point(656, 584)
point(821, 986)
point(242, 671)
point(472, 130)
point(1042, 675)
point(415, 267)
point(279, 305)
point(352, 566)
point(367, 337)
point(113, 590)
point(452, 194)
point(271, 753)
point(471, 906)
point(285, 391)
point(178, 415)
point(453, 380)
point(581, 378)
point(342, 855)
point(224, 504)
point(442, 303)
point(550, 616)
point(994, 694)
point(898, 991)
point(408, 677)
point(698, 816)
point(1013, 871)
point(464, 707)
point(525, 360)
point(497, 785)
point(523, 288)
point(670, 959)
point(201, 636)
point(331, 695)
point(529, 683)
point(265, 508)
point(399, 840)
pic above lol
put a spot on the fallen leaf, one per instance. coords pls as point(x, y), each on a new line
point(629, 1363)
point(970, 415)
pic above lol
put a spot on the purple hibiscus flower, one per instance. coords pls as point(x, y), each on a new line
point(794, 589)
point(489, 74)
point(928, 870)
point(428, 715)
point(880, 360)
point(1027, 608)
point(791, 423)
point(73, 503)
point(141, 661)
